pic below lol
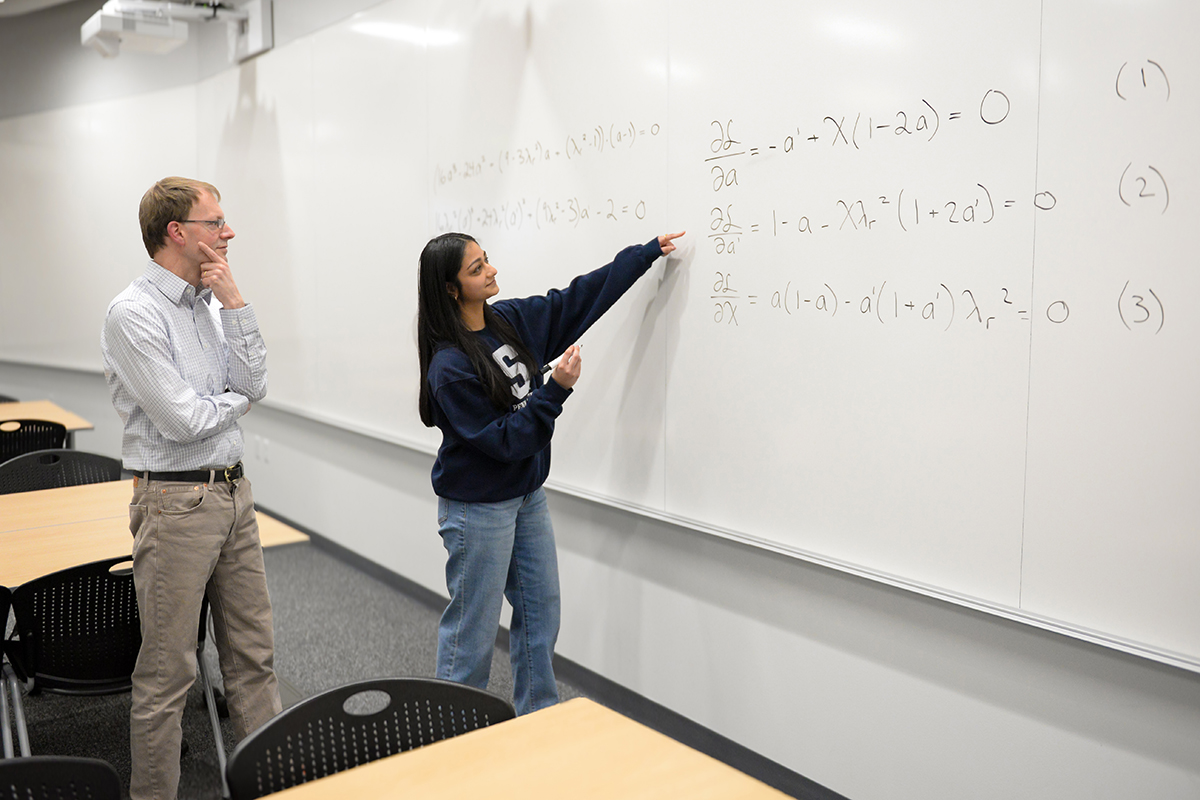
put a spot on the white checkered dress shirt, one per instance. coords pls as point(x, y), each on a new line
point(181, 373)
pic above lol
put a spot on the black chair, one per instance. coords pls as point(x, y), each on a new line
point(6, 399)
point(58, 778)
point(78, 632)
point(331, 732)
point(52, 469)
point(21, 436)
point(6, 741)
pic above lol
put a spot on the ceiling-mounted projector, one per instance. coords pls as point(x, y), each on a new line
point(110, 28)
point(148, 26)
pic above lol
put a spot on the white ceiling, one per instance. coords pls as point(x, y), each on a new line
point(11, 8)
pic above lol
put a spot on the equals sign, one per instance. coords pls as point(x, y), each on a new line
point(624, 209)
point(753, 151)
point(753, 298)
point(955, 114)
point(1009, 203)
point(754, 228)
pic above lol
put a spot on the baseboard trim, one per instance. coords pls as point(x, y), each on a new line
point(601, 689)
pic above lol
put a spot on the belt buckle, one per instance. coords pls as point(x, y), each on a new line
point(230, 478)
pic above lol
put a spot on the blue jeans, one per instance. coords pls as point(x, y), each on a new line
point(499, 550)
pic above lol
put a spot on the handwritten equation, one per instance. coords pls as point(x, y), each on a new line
point(921, 122)
point(598, 140)
point(903, 209)
point(937, 306)
point(539, 214)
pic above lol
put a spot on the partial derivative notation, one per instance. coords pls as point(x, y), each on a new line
point(936, 306)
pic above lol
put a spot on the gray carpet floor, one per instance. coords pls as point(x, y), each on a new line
point(333, 625)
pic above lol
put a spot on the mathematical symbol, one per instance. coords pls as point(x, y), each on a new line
point(812, 138)
point(883, 200)
point(772, 147)
point(955, 114)
point(909, 305)
point(838, 126)
point(754, 228)
point(933, 213)
point(1009, 203)
point(753, 151)
point(753, 299)
point(882, 126)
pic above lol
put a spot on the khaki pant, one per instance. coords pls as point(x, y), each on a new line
point(189, 538)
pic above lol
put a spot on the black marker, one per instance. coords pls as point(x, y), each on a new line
point(546, 369)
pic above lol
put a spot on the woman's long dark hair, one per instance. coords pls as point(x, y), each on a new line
point(439, 323)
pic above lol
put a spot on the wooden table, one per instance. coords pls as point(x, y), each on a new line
point(43, 532)
point(44, 409)
point(577, 749)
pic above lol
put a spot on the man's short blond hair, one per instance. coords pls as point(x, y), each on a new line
point(169, 200)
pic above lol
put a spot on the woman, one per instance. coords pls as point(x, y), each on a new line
point(482, 385)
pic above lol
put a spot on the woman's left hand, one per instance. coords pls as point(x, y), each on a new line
point(667, 241)
point(569, 367)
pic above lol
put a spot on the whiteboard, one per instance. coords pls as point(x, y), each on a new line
point(931, 324)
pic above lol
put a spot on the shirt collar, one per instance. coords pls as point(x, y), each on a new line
point(175, 288)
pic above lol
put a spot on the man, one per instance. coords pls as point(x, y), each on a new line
point(181, 373)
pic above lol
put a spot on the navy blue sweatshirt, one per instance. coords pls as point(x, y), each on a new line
point(487, 454)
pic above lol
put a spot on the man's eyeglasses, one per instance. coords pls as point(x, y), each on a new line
point(216, 225)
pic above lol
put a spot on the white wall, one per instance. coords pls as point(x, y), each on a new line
point(871, 691)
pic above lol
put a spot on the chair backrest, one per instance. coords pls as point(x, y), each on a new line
point(77, 630)
point(58, 778)
point(51, 469)
point(20, 436)
point(331, 731)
